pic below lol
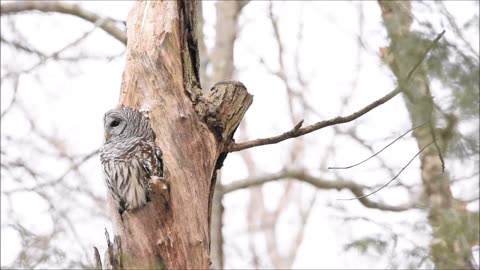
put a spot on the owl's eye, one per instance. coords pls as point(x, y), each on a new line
point(114, 123)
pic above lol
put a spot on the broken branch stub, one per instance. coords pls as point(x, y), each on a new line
point(223, 107)
point(113, 255)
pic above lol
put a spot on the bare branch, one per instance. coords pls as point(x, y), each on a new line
point(352, 134)
point(456, 30)
point(320, 183)
point(391, 180)
point(20, 46)
point(59, 179)
point(337, 120)
point(55, 55)
point(25, 48)
point(356, 164)
point(108, 24)
point(14, 97)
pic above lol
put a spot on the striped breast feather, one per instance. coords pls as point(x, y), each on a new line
point(125, 180)
point(131, 183)
point(110, 176)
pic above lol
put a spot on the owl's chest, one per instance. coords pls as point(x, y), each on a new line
point(128, 150)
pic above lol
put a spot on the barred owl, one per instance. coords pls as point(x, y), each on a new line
point(129, 157)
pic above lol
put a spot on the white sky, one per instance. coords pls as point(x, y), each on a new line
point(70, 102)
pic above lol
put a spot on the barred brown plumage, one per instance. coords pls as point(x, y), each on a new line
point(129, 157)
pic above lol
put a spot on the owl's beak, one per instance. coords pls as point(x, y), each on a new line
point(107, 136)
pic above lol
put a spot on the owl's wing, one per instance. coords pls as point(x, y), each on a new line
point(127, 182)
point(151, 157)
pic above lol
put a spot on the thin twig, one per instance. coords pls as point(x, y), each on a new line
point(22, 47)
point(437, 147)
point(457, 30)
point(337, 120)
point(25, 48)
point(55, 55)
point(14, 97)
point(59, 179)
point(388, 145)
point(395, 177)
point(108, 24)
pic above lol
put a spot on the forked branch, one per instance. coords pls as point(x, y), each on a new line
point(357, 189)
point(297, 132)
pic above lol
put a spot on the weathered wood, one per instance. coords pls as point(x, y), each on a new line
point(113, 258)
point(223, 107)
point(98, 260)
point(192, 128)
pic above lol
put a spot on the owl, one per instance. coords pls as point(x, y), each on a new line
point(129, 157)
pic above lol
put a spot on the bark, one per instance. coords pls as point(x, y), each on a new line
point(449, 246)
point(192, 127)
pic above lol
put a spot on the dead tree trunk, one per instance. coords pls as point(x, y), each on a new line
point(193, 128)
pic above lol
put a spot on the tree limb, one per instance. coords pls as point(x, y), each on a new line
point(375, 153)
point(108, 25)
point(297, 132)
point(320, 183)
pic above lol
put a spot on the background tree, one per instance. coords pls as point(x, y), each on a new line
point(282, 212)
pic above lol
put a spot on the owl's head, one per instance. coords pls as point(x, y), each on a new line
point(125, 123)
